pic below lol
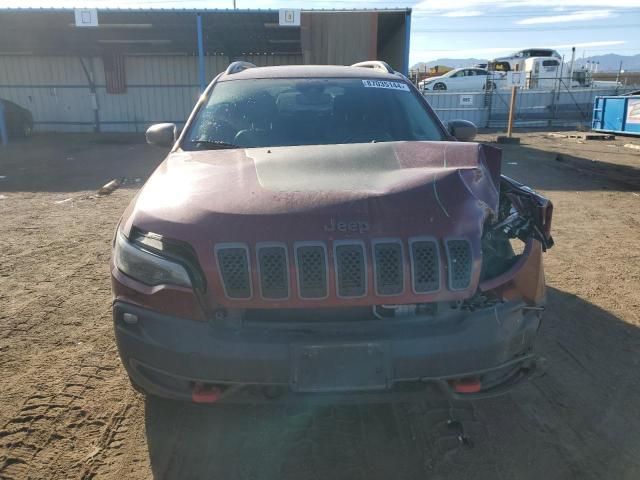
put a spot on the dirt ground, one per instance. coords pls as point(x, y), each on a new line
point(67, 410)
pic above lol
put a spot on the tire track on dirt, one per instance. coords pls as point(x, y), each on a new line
point(50, 425)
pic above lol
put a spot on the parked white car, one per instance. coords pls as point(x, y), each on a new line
point(466, 79)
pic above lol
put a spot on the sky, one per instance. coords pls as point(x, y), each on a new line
point(461, 28)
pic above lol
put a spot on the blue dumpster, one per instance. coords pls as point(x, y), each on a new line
point(617, 115)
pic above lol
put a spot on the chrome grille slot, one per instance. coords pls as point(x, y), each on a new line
point(233, 265)
point(274, 271)
point(459, 258)
point(351, 271)
point(425, 265)
point(311, 266)
point(389, 267)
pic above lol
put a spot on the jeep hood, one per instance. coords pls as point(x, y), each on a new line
point(218, 192)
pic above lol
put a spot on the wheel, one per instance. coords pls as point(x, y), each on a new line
point(439, 86)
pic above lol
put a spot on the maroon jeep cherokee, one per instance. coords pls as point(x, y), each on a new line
point(317, 233)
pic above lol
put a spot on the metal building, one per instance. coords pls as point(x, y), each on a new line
point(126, 69)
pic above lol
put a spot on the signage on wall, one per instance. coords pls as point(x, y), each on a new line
point(289, 17)
point(633, 110)
point(86, 17)
point(517, 79)
point(466, 100)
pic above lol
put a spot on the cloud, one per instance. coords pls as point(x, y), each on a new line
point(604, 43)
point(460, 5)
point(583, 16)
point(462, 13)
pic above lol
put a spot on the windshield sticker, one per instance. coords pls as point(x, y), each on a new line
point(385, 84)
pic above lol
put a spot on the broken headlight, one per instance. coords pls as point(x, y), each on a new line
point(522, 215)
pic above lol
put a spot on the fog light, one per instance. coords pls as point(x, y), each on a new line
point(130, 318)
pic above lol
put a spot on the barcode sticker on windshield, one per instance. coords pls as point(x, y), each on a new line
point(385, 84)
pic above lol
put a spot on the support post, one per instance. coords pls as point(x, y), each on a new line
point(4, 137)
point(201, 67)
point(407, 42)
point(573, 61)
point(512, 107)
point(93, 94)
point(512, 113)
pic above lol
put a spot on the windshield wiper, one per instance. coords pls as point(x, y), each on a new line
point(214, 144)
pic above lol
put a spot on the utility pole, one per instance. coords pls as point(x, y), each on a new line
point(619, 72)
point(573, 61)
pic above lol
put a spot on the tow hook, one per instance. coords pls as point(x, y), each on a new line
point(202, 393)
point(466, 385)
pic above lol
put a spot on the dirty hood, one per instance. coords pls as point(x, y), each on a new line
point(380, 183)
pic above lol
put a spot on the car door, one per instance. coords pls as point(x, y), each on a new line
point(468, 80)
point(457, 81)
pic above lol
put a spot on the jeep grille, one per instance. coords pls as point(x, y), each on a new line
point(350, 270)
point(389, 267)
point(459, 258)
point(311, 263)
point(274, 272)
point(425, 265)
point(233, 264)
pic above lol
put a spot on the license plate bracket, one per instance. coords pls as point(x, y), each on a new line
point(340, 367)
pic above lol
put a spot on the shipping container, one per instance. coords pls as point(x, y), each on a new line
point(619, 115)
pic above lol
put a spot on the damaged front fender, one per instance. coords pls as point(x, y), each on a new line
point(513, 243)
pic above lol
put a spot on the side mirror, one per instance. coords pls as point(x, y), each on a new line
point(463, 130)
point(161, 134)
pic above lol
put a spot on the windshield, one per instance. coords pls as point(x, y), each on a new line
point(279, 112)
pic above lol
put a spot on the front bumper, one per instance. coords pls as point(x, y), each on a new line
point(362, 360)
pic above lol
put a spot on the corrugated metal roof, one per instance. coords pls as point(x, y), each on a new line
point(51, 31)
point(201, 10)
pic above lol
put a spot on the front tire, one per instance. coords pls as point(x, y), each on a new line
point(440, 86)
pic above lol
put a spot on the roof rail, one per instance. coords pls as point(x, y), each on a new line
point(236, 67)
point(376, 65)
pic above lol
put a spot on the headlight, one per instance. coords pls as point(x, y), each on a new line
point(147, 267)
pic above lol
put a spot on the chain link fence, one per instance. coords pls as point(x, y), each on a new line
point(554, 107)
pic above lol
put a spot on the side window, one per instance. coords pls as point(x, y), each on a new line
point(481, 72)
point(470, 73)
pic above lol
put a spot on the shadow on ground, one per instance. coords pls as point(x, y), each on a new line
point(550, 170)
point(578, 418)
point(72, 163)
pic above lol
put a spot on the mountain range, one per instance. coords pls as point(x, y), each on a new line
point(609, 62)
